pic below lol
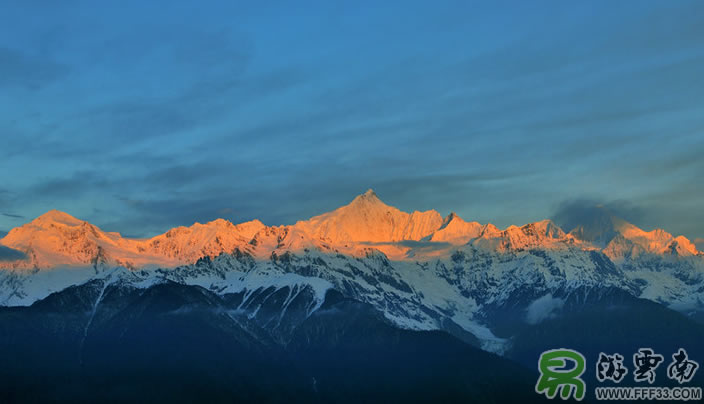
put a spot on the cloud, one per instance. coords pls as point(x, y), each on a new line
point(10, 254)
point(590, 212)
point(202, 77)
point(699, 242)
point(76, 184)
point(12, 215)
point(543, 308)
point(18, 69)
point(144, 217)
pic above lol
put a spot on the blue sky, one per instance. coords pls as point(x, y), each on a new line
point(140, 116)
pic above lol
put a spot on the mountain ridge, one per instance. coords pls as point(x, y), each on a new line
point(58, 239)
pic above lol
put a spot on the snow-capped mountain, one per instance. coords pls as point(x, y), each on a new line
point(368, 220)
point(422, 271)
point(57, 239)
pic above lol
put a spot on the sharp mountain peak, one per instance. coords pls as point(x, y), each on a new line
point(57, 216)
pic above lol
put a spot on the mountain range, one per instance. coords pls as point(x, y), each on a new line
point(404, 277)
point(57, 238)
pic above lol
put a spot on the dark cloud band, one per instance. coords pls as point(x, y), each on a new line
point(9, 254)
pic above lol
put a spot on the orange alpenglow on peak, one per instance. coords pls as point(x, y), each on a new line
point(52, 223)
point(368, 219)
point(368, 194)
point(455, 230)
point(57, 217)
